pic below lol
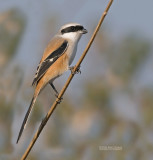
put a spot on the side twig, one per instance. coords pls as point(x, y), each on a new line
point(44, 121)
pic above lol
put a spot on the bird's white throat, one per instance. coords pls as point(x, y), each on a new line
point(73, 36)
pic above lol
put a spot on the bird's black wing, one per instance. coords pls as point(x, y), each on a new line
point(43, 67)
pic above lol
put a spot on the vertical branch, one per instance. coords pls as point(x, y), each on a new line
point(44, 121)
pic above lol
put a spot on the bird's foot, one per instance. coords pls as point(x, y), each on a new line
point(59, 100)
point(75, 72)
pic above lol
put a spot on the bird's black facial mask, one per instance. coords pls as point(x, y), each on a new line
point(72, 29)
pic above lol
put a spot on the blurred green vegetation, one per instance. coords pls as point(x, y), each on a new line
point(12, 24)
point(78, 132)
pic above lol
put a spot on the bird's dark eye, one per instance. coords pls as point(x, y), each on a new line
point(73, 28)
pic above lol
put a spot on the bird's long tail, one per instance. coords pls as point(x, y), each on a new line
point(26, 116)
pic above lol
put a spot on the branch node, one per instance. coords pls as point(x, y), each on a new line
point(105, 13)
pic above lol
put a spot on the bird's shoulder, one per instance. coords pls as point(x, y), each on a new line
point(52, 46)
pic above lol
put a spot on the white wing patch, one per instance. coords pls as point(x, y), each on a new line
point(51, 60)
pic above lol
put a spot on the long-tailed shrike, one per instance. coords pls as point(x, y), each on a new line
point(56, 59)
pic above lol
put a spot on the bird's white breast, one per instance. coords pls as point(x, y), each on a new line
point(73, 39)
point(72, 53)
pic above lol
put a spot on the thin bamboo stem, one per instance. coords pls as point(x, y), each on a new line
point(44, 121)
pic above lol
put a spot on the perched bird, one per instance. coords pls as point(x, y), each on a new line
point(56, 59)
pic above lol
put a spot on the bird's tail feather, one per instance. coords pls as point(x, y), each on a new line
point(26, 117)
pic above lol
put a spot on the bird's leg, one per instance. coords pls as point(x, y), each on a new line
point(56, 95)
point(54, 89)
point(77, 70)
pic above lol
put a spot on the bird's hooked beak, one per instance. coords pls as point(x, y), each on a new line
point(84, 31)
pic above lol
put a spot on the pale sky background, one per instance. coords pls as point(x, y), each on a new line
point(124, 17)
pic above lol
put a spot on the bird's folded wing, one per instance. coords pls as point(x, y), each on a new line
point(52, 57)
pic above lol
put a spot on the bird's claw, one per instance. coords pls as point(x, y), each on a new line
point(59, 100)
point(75, 72)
